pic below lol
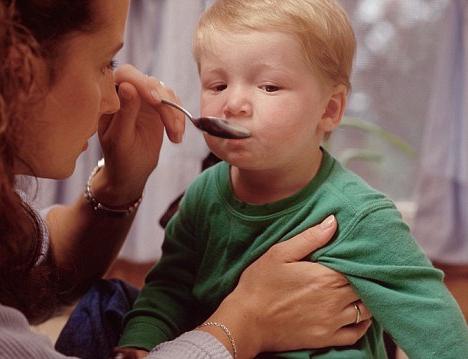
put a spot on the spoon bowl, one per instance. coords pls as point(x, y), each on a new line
point(214, 126)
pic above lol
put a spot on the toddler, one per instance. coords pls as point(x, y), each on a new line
point(281, 69)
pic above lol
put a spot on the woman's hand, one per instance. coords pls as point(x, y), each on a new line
point(131, 139)
point(128, 353)
point(282, 303)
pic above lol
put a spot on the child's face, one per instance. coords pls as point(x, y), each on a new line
point(260, 80)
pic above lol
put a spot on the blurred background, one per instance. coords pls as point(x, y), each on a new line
point(405, 132)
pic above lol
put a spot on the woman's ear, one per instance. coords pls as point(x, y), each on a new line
point(334, 109)
point(28, 74)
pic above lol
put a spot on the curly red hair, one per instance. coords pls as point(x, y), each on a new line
point(29, 30)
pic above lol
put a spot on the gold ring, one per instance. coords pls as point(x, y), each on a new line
point(358, 314)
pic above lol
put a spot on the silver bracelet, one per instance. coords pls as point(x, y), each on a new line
point(226, 331)
point(102, 208)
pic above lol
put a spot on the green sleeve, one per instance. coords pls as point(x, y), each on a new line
point(398, 284)
point(163, 310)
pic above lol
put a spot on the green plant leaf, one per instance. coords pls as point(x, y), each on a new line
point(358, 154)
point(372, 128)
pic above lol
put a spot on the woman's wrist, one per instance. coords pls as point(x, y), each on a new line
point(240, 323)
point(114, 195)
point(226, 331)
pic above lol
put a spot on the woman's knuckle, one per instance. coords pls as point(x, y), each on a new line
point(275, 251)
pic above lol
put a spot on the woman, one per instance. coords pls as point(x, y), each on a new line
point(57, 89)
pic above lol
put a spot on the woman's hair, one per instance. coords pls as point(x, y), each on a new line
point(29, 30)
point(321, 27)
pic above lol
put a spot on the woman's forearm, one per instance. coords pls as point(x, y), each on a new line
point(244, 339)
point(191, 345)
point(85, 242)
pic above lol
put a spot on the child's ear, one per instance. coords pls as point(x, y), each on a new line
point(334, 109)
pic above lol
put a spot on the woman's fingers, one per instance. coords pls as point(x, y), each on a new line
point(343, 305)
point(128, 73)
point(130, 104)
point(117, 127)
point(350, 334)
point(151, 90)
point(363, 314)
point(340, 305)
point(355, 313)
point(173, 120)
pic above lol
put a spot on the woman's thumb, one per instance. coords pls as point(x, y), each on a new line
point(309, 241)
point(130, 103)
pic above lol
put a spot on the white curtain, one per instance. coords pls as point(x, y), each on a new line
point(393, 80)
point(160, 38)
point(441, 223)
point(393, 73)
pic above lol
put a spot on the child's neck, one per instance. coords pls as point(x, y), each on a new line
point(267, 186)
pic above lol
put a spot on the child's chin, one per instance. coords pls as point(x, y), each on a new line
point(242, 163)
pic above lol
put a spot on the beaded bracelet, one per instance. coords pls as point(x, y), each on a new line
point(226, 331)
point(101, 208)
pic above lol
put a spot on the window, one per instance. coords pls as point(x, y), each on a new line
point(392, 80)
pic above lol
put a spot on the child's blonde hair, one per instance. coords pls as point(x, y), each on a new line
point(321, 27)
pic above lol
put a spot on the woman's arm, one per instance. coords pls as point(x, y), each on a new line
point(85, 242)
point(261, 316)
point(397, 282)
point(279, 292)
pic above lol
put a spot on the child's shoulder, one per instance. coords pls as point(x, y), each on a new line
point(209, 179)
point(367, 218)
point(351, 188)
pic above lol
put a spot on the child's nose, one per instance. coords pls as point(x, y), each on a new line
point(237, 104)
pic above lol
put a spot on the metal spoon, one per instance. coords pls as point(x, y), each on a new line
point(215, 126)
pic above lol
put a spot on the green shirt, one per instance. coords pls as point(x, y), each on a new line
point(214, 237)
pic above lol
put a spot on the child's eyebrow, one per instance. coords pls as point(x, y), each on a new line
point(214, 71)
point(271, 67)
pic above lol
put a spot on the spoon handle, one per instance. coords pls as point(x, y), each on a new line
point(188, 114)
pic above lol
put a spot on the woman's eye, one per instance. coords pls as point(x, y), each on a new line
point(111, 65)
point(270, 88)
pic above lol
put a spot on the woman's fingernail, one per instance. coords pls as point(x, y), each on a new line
point(327, 222)
point(155, 96)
